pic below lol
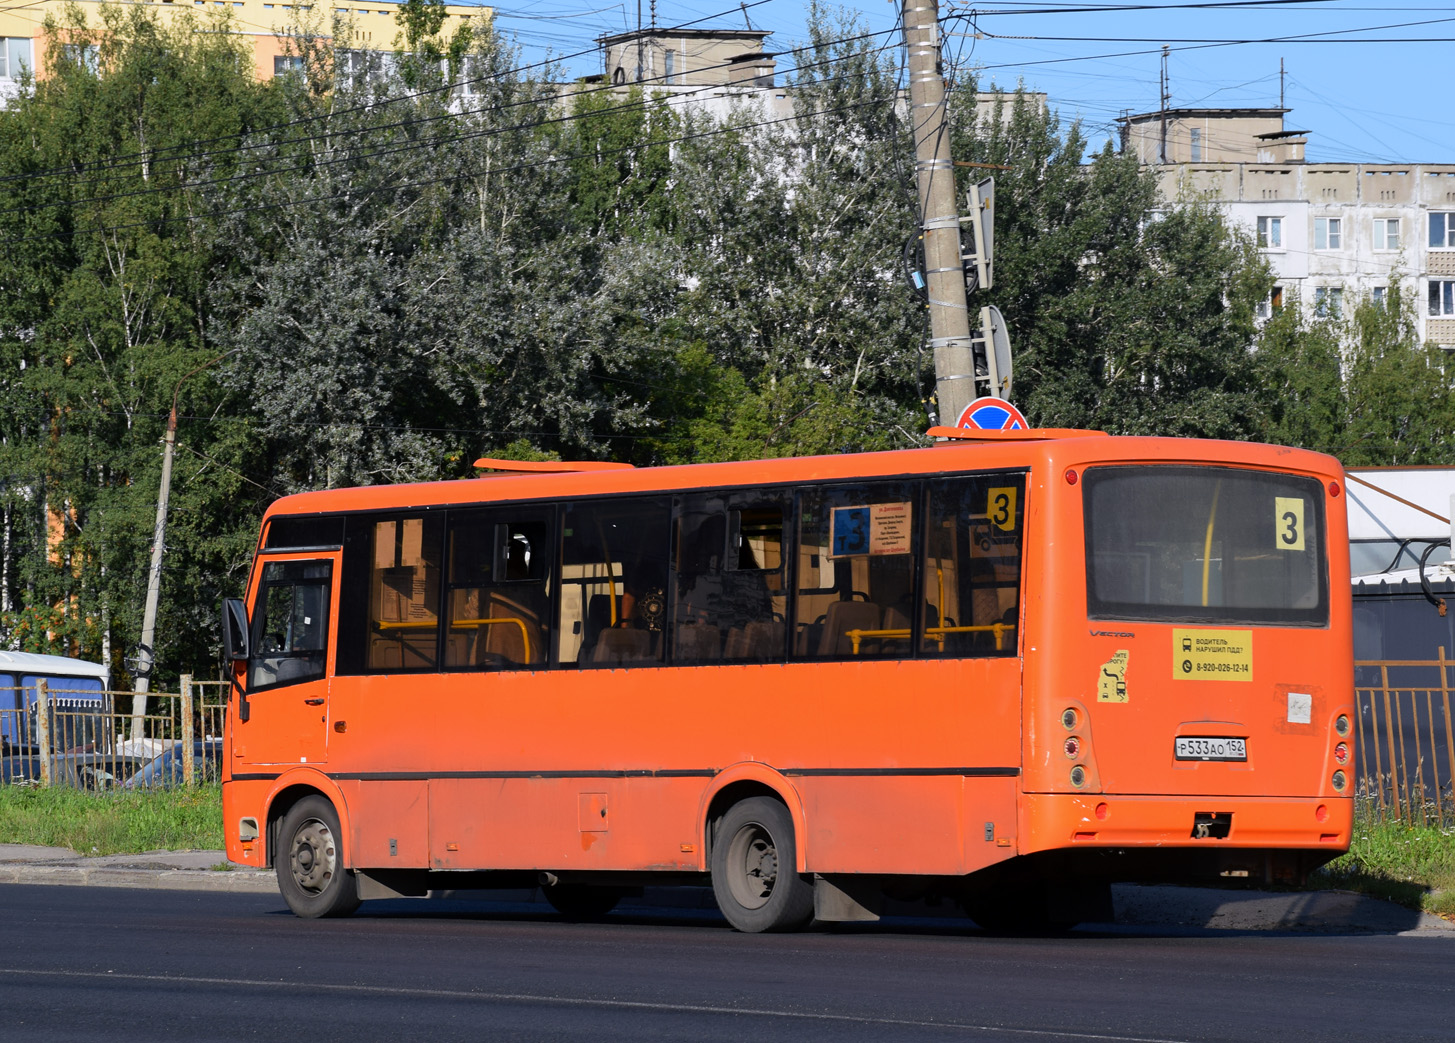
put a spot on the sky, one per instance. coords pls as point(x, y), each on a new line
point(1365, 79)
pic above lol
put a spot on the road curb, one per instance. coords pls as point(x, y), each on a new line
point(247, 881)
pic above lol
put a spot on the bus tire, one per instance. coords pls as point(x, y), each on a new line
point(310, 862)
point(581, 901)
point(754, 869)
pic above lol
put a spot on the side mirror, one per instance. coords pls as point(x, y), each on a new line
point(234, 630)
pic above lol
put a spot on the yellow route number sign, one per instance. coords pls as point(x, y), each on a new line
point(1212, 655)
point(1288, 522)
point(1000, 507)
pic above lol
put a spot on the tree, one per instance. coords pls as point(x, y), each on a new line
point(110, 279)
point(1125, 314)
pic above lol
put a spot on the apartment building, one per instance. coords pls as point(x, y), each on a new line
point(1333, 233)
point(359, 27)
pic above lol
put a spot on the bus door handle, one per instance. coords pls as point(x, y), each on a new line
point(314, 702)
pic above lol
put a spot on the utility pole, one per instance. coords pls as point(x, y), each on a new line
point(145, 655)
point(1165, 98)
point(935, 174)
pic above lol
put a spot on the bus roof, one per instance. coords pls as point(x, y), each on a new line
point(969, 454)
point(49, 665)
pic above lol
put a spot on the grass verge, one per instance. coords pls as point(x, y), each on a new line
point(113, 823)
point(1411, 865)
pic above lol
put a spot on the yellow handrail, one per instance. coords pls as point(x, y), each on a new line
point(938, 633)
point(456, 624)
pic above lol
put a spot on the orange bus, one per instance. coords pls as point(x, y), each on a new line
point(1006, 670)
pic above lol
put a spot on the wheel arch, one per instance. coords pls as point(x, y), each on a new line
point(740, 782)
point(290, 789)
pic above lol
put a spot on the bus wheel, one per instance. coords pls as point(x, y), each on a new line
point(310, 862)
point(754, 861)
point(581, 901)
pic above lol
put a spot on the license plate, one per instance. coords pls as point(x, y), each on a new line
point(1199, 748)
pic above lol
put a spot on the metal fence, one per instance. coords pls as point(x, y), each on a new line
point(1406, 742)
point(107, 740)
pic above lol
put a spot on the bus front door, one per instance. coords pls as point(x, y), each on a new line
point(287, 672)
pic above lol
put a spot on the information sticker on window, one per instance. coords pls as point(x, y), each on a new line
point(880, 528)
point(1288, 522)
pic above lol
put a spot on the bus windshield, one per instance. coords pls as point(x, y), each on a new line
point(1205, 544)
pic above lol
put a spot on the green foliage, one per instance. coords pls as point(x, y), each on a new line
point(124, 822)
point(1408, 864)
point(1124, 316)
point(1360, 386)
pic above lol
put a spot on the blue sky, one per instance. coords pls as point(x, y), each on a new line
point(1381, 93)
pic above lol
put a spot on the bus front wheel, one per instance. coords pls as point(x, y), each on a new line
point(754, 869)
point(310, 862)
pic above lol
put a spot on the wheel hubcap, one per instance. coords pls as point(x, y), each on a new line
point(754, 857)
point(313, 856)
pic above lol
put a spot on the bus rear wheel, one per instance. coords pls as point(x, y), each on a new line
point(310, 862)
point(754, 869)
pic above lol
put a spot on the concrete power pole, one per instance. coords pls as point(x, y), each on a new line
point(935, 173)
point(146, 651)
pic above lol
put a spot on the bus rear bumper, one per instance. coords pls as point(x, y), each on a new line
point(1058, 821)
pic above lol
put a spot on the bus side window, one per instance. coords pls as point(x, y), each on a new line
point(290, 624)
point(730, 594)
point(972, 565)
point(403, 593)
point(496, 592)
point(613, 581)
point(856, 571)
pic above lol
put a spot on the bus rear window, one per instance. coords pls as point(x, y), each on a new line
point(1205, 545)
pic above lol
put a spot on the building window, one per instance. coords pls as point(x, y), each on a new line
point(1270, 304)
point(1378, 295)
point(1197, 144)
point(1442, 231)
point(1328, 233)
point(1386, 233)
point(1442, 298)
point(286, 64)
point(14, 57)
point(86, 56)
point(669, 67)
point(1270, 233)
point(1328, 301)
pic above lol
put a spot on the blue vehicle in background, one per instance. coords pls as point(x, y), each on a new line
point(77, 691)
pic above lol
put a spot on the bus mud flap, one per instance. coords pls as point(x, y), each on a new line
point(845, 898)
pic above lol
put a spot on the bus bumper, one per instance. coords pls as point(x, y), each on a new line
point(1061, 821)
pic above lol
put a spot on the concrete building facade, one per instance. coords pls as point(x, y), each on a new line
point(1333, 233)
point(356, 26)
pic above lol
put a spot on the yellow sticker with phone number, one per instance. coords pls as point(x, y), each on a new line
point(1212, 655)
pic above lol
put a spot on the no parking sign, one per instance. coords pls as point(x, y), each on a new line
point(992, 414)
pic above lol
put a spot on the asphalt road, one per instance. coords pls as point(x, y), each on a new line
point(100, 964)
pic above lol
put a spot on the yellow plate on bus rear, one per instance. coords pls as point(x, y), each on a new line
point(1212, 655)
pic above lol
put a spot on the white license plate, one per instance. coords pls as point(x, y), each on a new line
point(1199, 748)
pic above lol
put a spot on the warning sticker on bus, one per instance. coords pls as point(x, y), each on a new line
point(1212, 655)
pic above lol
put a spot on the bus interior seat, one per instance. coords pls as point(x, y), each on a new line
point(598, 619)
point(760, 639)
point(697, 643)
point(843, 616)
point(621, 645)
point(508, 641)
